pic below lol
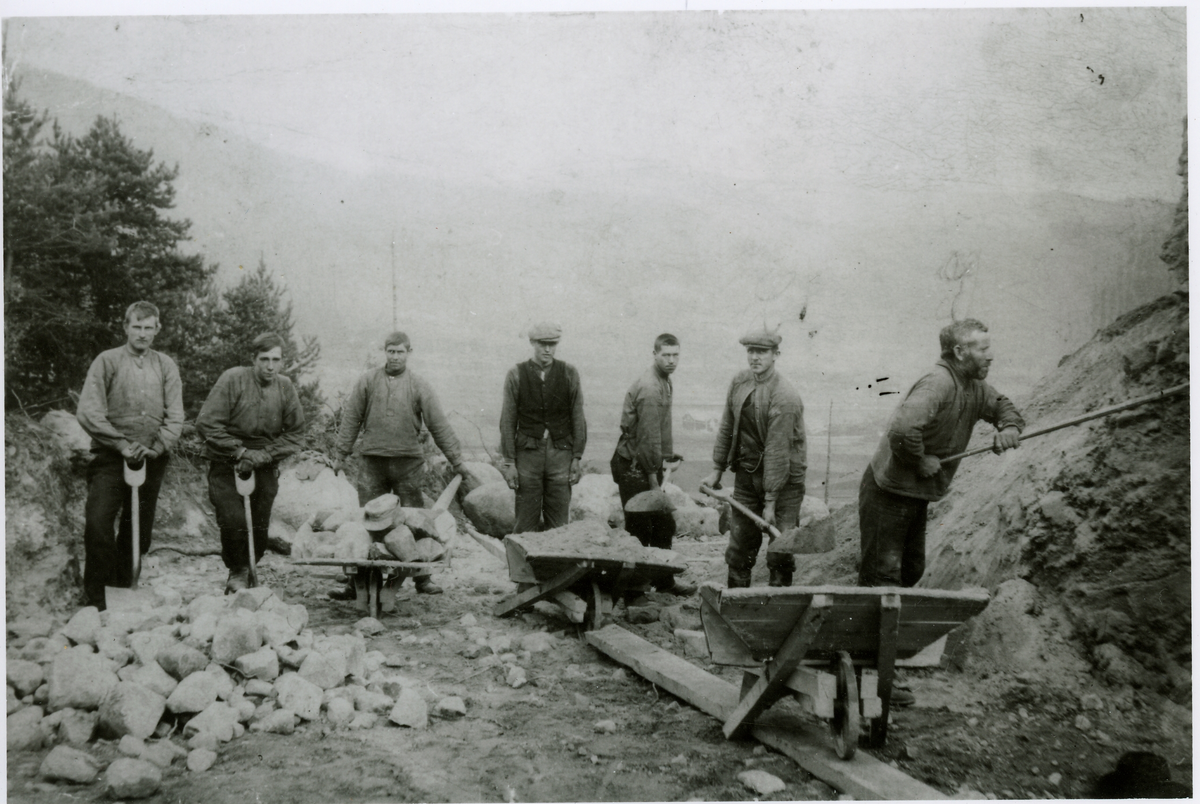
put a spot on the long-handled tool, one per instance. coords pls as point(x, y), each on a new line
point(1095, 414)
point(245, 487)
point(652, 501)
point(796, 540)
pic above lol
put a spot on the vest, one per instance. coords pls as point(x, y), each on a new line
point(544, 405)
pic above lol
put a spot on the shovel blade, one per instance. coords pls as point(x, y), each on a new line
point(649, 502)
point(118, 598)
point(804, 541)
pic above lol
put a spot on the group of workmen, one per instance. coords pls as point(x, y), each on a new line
point(132, 406)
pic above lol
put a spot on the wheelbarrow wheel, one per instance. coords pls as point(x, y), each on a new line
point(844, 725)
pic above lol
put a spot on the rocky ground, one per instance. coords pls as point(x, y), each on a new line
point(1083, 654)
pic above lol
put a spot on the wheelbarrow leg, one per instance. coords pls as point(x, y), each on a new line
point(542, 591)
point(889, 631)
point(362, 589)
point(765, 690)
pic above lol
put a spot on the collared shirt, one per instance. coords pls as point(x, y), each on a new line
point(241, 412)
point(646, 422)
point(389, 411)
point(936, 418)
point(508, 412)
point(779, 420)
point(129, 397)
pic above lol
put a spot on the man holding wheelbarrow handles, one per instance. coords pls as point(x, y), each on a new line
point(933, 421)
point(762, 437)
point(132, 407)
point(251, 420)
point(645, 443)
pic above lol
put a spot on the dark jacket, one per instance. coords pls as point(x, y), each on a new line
point(780, 423)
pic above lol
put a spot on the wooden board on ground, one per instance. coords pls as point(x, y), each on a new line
point(864, 777)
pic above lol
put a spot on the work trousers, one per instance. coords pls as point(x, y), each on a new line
point(231, 511)
point(400, 476)
point(892, 531)
point(745, 537)
point(544, 495)
point(108, 556)
point(652, 529)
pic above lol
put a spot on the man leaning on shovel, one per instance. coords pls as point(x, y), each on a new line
point(762, 437)
point(251, 420)
point(132, 407)
point(645, 443)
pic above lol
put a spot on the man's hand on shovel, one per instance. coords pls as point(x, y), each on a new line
point(768, 516)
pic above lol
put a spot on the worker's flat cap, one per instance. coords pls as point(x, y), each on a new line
point(379, 512)
point(762, 338)
point(546, 331)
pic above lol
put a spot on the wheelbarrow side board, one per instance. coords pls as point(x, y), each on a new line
point(754, 622)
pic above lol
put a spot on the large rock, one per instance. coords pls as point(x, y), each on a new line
point(281, 721)
point(353, 541)
point(492, 509)
point(153, 677)
point(68, 434)
point(66, 764)
point(237, 634)
point(24, 729)
point(429, 550)
point(339, 711)
point(146, 645)
point(263, 663)
point(217, 719)
point(252, 598)
point(326, 670)
point(401, 544)
point(24, 677)
point(83, 625)
point(306, 490)
point(132, 778)
point(75, 727)
point(131, 709)
point(206, 604)
point(180, 660)
point(80, 679)
point(194, 693)
point(410, 710)
point(299, 695)
point(275, 627)
point(595, 497)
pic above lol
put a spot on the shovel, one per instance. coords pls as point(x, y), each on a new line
point(245, 487)
point(652, 501)
point(796, 540)
point(119, 598)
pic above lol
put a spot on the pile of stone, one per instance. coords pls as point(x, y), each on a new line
point(415, 534)
point(175, 682)
point(593, 540)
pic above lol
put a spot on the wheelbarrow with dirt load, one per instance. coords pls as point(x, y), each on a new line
point(377, 575)
point(834, 648)
point(583, 567)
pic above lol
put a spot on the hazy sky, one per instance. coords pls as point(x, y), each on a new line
point(693, 171)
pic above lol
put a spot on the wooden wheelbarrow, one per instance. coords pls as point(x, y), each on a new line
point(375, 580)
point(835, 648)
point(584, 585)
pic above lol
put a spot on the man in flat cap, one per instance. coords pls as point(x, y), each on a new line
point(542, 433)
point(762, 437)
point(385, 413)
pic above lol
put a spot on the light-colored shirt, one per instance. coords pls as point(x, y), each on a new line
point(241, 412)
point(388, 412)
point(646, 422)
point(128, 397)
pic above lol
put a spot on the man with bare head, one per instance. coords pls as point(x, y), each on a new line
point(132, 407)
point(934, 420)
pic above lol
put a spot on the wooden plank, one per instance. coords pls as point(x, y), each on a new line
point(676, 675)
point(541, 591)
point(763, 693)
point(864, 777)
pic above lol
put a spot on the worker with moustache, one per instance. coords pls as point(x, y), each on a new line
point(762, 438)
point(385, 413)
point(933, 421)
point(250, 421)
point(644, 445)
point(132, 407)
point(542, 433)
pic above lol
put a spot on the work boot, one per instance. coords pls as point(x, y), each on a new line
point(426, 586)
point(238, 579)
point(902, 697)
point(780, 577)
point(738, 578)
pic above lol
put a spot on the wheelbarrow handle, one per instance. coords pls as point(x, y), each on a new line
point(753, 517)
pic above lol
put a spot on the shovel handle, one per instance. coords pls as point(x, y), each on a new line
point(443, 500)
point(753, 517)
point(245, 485)
point(135, 473)
point(250, 539)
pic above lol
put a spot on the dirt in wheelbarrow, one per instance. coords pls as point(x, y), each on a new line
point(583, 728)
